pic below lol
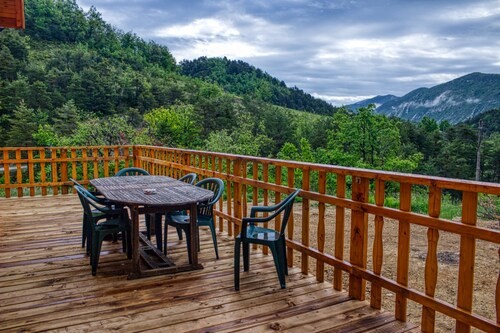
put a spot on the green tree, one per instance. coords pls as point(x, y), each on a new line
point(175, 126)
point(23, 125)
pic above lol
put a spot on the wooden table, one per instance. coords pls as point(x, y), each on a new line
point(170, 195)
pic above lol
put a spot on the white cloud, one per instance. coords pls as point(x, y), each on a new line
point(472, 12)
point(199, 29)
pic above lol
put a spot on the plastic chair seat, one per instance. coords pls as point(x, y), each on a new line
point(264, 234)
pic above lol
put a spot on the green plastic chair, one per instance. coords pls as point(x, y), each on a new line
point(205, 216)
point(252, 234)
point(99, 230)
point(108, 210)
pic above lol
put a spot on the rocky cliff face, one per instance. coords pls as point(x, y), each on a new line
point(455, 101)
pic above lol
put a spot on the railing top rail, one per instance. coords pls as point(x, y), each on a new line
point(417, 179)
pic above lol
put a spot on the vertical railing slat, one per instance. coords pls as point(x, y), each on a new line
point(43, 174)
point(320, 265)
point(378, 246)
point(64, 169)
point(431, 263)
point(237, 195)
point(265, 179)
point(339, 232)
point(277, 196)
point(53, 157)
point(229, 197)
point(19, 173)
point(290, 225)
point(467, 259)
point(31, 172)
point(306, 180)
point(221, 202)
point(6, 172)
point(403, 251)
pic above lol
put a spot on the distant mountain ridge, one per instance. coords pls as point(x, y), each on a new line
point(454, 101)
point(377, 100)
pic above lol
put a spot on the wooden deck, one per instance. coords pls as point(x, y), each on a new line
point(45, 284)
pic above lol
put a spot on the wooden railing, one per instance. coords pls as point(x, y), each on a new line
point(252, 181)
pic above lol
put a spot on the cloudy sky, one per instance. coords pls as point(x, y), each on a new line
point(342, 51)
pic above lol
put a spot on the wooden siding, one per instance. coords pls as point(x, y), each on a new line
point(12, 14)
point(45, 284)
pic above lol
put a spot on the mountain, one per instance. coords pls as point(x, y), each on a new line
point(377, 100)
point(240, 78)
point(454, 101)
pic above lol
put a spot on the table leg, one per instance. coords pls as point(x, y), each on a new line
point(194, 234)
point(136, 257)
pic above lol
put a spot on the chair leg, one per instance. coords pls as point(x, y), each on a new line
point(84, 231)
point(237, 246)
point(285, 266)
point(214, 238)
point(246, 257)
point(278, 262)
point(179, 232)
point(96, 252)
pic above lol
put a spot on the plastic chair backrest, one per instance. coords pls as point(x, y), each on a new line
point(212, 184)
point(190, 178)
point(82, 195)
point(285, 205)
point(132, 172)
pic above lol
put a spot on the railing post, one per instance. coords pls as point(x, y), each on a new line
point(467, 259)
point(359, 231)
point(431, 263)
point(135, 156)
point(403, 251)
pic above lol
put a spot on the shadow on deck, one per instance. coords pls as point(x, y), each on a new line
point(46, 284)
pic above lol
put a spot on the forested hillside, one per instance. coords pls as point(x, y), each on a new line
point(241, 78)
point(72, 79)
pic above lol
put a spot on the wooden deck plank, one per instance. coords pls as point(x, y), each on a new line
point(46, 284)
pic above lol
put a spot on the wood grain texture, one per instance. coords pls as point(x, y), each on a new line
point(378, 247)
point(467, 260)
point(339, 233)
point(46, 285)
point(359, 238)
point(431, 261)
point(403, 251)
